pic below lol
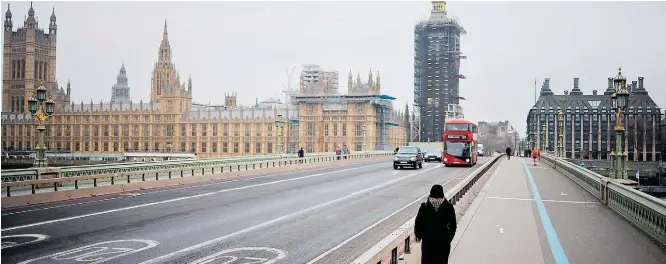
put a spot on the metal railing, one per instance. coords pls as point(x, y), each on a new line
point(113, 178)
point(400, 241)
point(640, 209)
point(99, 169)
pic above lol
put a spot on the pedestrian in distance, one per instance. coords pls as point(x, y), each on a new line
point(534, 156)
point(435, 227)
point(508, 153)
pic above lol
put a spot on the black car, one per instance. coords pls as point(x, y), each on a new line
point(432, 155)
point(408, 156)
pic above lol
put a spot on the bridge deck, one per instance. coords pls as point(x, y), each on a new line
point(532, 214)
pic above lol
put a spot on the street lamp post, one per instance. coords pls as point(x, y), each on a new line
point(41, 108)
point(278, 125)
point(560, 125)
point(365, 130)
point(620, 102)
point(543, 137)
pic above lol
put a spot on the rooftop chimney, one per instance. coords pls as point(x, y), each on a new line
point(638, 87)
point(610, 90)
point(634, 85)
point(576, 90)
point(594, 92)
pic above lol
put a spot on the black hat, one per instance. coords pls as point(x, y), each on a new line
point(437, 191)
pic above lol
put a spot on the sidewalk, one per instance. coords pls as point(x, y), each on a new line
point(535, 215)
point(495, 230)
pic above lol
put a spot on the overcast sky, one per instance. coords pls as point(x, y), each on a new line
point(244, 47)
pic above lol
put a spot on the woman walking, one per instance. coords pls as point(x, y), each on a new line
point(435, 227)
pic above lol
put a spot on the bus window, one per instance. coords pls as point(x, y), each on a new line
point(457, 127)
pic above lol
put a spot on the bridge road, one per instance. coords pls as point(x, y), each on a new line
point(298, 216)
point(533, 214)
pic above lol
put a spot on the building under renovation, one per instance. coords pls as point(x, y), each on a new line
point(327, 119)
point(436, 72)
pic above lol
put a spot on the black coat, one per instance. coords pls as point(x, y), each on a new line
point(301, 153)
point(436, 230)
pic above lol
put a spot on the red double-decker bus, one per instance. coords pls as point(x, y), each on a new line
point(459, 142)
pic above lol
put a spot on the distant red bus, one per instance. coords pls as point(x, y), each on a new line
point(459, 142)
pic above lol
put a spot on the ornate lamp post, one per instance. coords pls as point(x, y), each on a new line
point(620, 101)
point(41, 108)
point(365, 130)
point(560, 126)
point(278, 125)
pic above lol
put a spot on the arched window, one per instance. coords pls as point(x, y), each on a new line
point(13, 69)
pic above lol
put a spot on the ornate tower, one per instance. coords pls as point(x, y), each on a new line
point(29, 60)
point(120, 92)
point(166, 90)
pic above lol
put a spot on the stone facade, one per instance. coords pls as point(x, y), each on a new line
point(590, 121)
point(29, 60)
point(170, 121)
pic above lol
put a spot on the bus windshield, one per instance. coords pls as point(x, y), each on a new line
point(457, 127)
point(458, 149)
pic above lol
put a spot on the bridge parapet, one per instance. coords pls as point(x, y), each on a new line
point(97, 169)
point(640, 209)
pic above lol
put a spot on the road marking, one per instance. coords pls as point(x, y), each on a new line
point(179, 188)
point(529, 199)
point(99, 252)
point(163, 258)
point(179, 199)
point(9, 244)
point(562, 193)
point(217, 257)
point(382, 220)
point(500, 229)
point(551, 235)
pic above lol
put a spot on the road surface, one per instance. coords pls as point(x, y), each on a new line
point(329, 215)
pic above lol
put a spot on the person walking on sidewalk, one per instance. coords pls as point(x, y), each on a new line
point(435, 227)
point(508, 152)
point(534, 156)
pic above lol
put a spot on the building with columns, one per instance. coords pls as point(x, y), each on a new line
point(589, 122)
point(171, 122)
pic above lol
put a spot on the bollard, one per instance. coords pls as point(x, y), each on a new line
point(181, 173)
point(33, 188)
point(95, 182)
point(128, 178)
point(143, 177)
point(76, 185)
point(113, 179)
point(157, 176)
point(9, 193)
point(55, 186)
point(169, 174)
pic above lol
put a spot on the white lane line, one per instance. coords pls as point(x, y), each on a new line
point(282, 218)
point(175, 189)
point(179, 199)
point(383, 219)
point(530, 199)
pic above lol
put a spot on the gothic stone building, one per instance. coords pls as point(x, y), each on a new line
point(170, 121)
point(589, 122)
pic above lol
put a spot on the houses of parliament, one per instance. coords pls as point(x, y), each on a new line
point(316, 119)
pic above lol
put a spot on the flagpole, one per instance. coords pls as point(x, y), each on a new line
point(535, 91)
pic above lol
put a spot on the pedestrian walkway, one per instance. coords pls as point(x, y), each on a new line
point(533, 214)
